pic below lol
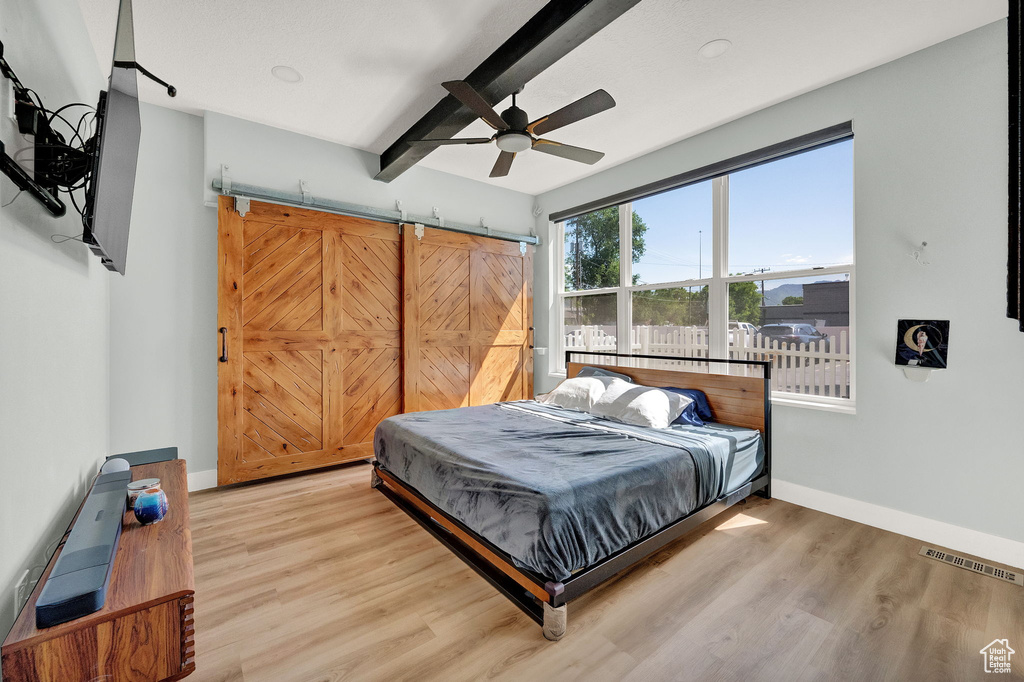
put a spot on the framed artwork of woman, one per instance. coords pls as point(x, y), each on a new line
point(922, 343)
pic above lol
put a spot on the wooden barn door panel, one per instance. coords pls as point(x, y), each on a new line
point(311, 307)
point(468, 312)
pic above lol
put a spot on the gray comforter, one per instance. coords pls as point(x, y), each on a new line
point(555, 489)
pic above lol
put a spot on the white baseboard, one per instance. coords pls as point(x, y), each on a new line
point(992, 547)
point(201, 480)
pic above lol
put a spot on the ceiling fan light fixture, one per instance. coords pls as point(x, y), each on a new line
point(514, 142)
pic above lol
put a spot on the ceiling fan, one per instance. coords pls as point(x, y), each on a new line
point(514, 132)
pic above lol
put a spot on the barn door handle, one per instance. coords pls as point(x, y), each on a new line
point(223, 344)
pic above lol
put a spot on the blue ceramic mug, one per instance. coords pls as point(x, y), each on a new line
point(151, 506)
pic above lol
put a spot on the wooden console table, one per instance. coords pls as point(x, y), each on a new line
point(145, 630)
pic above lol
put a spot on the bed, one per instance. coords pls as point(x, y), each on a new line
point(546, 502)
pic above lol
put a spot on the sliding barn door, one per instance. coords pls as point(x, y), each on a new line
point(310, 318)
point(467, 320)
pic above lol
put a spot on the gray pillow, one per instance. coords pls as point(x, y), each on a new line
point(590, 371)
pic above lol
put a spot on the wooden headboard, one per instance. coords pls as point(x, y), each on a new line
point(735, 400)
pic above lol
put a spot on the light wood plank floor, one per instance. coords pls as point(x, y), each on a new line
point(318, 577)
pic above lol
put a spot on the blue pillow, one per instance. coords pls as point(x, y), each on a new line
point(696, 413)
point(589, 371)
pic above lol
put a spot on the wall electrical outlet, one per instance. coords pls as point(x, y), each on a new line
point(8, 103)
point(22, 589)
point(26, 583)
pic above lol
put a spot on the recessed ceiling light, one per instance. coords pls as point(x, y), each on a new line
point(716, 48)
point(286, 74)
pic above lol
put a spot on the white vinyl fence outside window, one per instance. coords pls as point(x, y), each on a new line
point(812, 369)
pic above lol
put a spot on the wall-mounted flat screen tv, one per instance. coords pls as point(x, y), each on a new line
point(109, 193)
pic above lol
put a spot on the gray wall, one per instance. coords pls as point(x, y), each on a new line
point(164, 339)
point(163, 370)
point(930, 164)
point(53, 315)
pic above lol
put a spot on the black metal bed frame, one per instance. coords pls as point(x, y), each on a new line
point(560, 593)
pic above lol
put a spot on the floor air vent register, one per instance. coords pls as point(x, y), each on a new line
point(1015, 577)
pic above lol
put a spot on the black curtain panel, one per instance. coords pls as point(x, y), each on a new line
point(1015, 280)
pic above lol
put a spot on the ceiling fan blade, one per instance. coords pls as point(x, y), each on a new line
point(594, 103)
point(567, 151)
point(453, 140)
point(465, 93)
point(503, 164)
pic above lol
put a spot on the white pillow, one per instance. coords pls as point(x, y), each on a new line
point(639, 405)
point(579, 393)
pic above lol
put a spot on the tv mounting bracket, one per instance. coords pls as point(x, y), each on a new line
point(54, 159)
point(45, 196)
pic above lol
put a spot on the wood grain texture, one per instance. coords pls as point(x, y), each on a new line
point(467, 320)
point(140, 632)
point(765, 591)
point(310, 300)
point(230, 430)
point(736, 400)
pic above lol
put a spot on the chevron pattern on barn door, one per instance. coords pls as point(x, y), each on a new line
point(282, 278)
point(444, 377)
point(371, 272)
point(311, 307)
point(498, 301)
point(497, 374)
point(498, 292)
point(466, 318)
point(443, 288)
point(283, 403)
point(373, 390)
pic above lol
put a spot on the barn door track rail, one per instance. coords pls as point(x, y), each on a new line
point(305, 199)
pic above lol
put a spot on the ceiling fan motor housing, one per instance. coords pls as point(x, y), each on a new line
point(516, 118)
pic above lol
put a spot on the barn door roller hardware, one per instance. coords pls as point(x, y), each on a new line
point(243, 193)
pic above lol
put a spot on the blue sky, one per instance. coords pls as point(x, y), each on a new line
point(788, 214)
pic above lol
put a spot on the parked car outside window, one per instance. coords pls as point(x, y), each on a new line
point(741, 330)
point(793, 333)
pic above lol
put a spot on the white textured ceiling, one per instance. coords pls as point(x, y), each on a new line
point(372, 68)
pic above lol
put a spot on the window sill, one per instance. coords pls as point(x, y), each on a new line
point(839, 405)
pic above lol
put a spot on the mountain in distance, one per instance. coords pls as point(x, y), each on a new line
point(776, 295)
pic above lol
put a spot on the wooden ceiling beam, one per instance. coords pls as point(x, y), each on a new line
point(558, 28)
